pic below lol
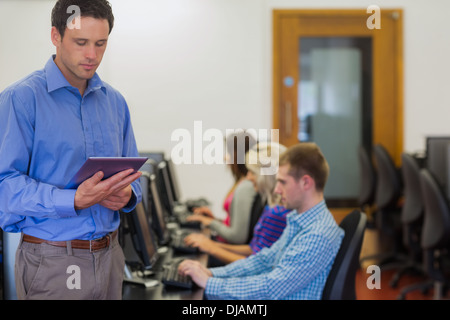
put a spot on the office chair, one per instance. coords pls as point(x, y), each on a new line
point(340, 284)
point(367, 180)
point(411, 218)
point(388, 192)
point(257, 209)
point(435, 238)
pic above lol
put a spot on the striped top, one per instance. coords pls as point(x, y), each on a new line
point(269, 227)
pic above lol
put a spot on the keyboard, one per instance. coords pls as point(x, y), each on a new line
point(195, 203)
point(177, 243)
point(172, 278)
point(182, 221)
point(181, 214)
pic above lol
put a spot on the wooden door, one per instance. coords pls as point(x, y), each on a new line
point(290, 25)
point(381, 105)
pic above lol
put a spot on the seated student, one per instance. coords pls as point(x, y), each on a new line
point(239, 200)
point(297, 265)
point(273, 218)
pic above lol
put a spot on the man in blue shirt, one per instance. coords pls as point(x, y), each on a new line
point(297, 265)
point(50, 123)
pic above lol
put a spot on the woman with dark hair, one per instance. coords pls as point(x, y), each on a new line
point(238, 200)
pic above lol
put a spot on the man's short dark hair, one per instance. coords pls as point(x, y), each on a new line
point(99, 9)
point(306, 158)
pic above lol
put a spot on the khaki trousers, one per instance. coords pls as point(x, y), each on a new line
point(45, 272)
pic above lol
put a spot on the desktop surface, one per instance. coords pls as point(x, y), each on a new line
point(133, 291)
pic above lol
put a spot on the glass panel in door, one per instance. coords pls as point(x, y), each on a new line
point(334, 107)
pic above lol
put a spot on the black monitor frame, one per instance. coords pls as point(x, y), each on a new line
point(142, 236)
point(164, 187)
point(147, 170)
point(156, 156)
point(176, 192)
point(159, 214)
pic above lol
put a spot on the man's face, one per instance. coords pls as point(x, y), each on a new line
point(80, 51)
point(290, 190)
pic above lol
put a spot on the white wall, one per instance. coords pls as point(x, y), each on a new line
point(426, 66)
point(177, 61)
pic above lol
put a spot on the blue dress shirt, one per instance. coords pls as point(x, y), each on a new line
point(47, 131)
point(295, 267)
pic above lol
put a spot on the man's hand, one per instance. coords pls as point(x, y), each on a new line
point(198, 272)
point(118, 200)
point(113, 193)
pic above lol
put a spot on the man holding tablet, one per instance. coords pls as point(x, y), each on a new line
point(50, 123)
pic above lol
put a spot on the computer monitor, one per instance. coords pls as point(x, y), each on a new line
point(156, 156)
point(142, 236)
point(173, 181)
point(164, 187)
point(147, 170)
point(144, 245)
point(159, 214)
point(437, 160)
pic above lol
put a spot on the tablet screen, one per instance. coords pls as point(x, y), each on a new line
point(109, 165)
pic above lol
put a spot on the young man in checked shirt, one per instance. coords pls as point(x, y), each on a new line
point(298, 264)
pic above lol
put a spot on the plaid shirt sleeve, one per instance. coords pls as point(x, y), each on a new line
point(253, 265)
point(299, 271)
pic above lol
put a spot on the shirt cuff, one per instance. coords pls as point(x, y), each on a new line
point(64, 203)
point(132, 203)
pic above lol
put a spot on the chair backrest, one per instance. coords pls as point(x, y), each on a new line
point(389, 186)
point(257, 210)
point(340, 284)
point(436, 224)
point(412, 210)
point(367, 178)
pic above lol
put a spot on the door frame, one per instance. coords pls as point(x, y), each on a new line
point(387, 118)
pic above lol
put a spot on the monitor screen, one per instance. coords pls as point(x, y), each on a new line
point(147, 170)
point(142, 236)
point(173, 181)
point(437, 160)
point(159, 215)
point(164, 187)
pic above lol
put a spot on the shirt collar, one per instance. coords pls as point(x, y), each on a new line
point(56, 80)
point(308, 216)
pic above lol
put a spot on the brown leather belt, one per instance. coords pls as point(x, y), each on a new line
point(91, 245)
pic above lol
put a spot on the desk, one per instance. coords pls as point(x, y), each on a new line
point(133, 291)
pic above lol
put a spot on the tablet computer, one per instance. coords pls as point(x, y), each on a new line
point(109, 165)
